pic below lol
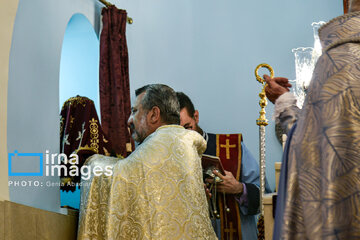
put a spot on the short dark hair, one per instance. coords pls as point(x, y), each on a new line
point(164, 97)
point(185, 102)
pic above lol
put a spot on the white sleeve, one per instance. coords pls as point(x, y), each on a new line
point(286, 111)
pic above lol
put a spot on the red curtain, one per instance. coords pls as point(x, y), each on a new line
point(346, 6)
point(114, 79)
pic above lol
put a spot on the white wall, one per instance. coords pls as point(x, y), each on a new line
point(7, 19)
point(207, 49)
point(33, 91)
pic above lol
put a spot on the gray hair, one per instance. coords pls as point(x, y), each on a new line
point(164, 97)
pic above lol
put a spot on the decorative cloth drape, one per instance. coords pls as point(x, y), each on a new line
point(114, 79)
point(346, 6)
point(80, 133)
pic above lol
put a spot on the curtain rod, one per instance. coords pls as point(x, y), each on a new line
point(107, 4)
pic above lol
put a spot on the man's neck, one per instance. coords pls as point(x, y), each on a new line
point(354, 6)
point(199, 130)
point(355, 9)
point(155, 126)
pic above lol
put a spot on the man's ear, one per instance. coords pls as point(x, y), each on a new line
point(154, 115)
point(196, 116)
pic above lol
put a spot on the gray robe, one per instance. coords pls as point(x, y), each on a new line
point(323, 181)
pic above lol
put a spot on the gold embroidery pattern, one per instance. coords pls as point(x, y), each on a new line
point(94, 134)
point(78, 100)
point(155, 193)
point(71, 122)
point(228, 146)
point(323, 199)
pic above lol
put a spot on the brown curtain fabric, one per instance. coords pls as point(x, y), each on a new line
point(114, 79)
point(346, 6)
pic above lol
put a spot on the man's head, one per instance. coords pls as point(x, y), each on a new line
point(156, 105)
point(189, 117)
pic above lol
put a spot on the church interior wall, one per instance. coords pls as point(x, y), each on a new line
point(33, 89)
point(207, 49)
point(7, 18)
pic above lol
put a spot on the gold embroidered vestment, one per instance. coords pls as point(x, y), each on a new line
point(155, 193)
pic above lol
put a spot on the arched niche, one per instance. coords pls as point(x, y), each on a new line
point(79, 64)
point(33, 92)
point(79, 74)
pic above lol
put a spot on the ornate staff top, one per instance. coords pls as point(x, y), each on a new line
point(262, 121)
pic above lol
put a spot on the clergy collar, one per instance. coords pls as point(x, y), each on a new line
point(342, 29)
point(205, 136)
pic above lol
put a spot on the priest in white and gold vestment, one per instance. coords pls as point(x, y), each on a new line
point(157, 192)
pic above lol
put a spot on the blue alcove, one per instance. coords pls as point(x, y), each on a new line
point(79, 74)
